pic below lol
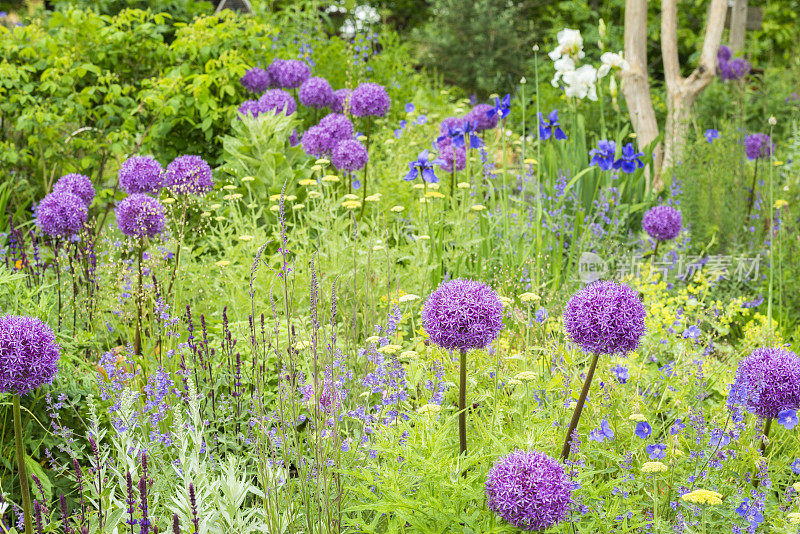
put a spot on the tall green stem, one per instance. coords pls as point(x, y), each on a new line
point(137, 343)
point(576, 415)
point(23, 471)
point(462, 404)
point(763, 447)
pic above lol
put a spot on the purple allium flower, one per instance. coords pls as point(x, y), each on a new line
point(256, 80)
point(316, 92)
point(288, 73)
point(79, 185)
point(662, 223)
point(340, 98)
point(337, 126)
point(140, 216)
point(277, 101)
point(711, 134)
point(349, 155)
point(603, 155)
point(529, 490)
point(463, 314)
point(605, 317)
point(770, 381)
point(479, 116)
point(140, 174)
point(369, 99)
point(731, 69)
point(251, 108)
point(446, 155)
point(450, 123)
point(28, 354)
point(643, 429)
point(61, 214)
point(758, 146)
point(189, 175)
point(316, 141)
point(723, 54)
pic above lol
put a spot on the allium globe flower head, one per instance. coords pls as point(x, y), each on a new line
point(140, 216)
point(316, 141)
point(141, 174)
point(277, 101)
point(316, 92)
point(369, 99)
point(256, 80)
point(448, 153)
point(768, 381)
point(662, 223)
point(79, 185)
point(341, 98)
point(463, 314)
point(337, 126)
point(61, 215)
point(28, 354)
point(758, 146)
point(479, 116)
point(189, 175)
point(288, 74)
point(250, 108)
point(605, 318)
point(349, 155)
point(529, 490)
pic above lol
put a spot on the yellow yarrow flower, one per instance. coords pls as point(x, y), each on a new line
point(248, 179)
point(351, 204)
point(505, 300)
point(389, 349)
point(397, 209)
point(168, 200)
point(478, 207)
point(514, 382)
point(429, 408)
point(794, 518)
point(222, 263)
point(350, 196)
point(780, 203)
point(374, 198)
point(314, 194)
point(274, 198)
point(372, 339)
point(245, 237)
point(307, 181)
point(408, 297)
point(322, 161)
point(701, 496)
point(330, 178)
point(463, 185)
point(408, 354)
point(525, 376)
point(653, 467)
point(639, 418)
point(229, 187)
point(434, 194)
point(796, 487)
point(528, 297)
point(300, 345)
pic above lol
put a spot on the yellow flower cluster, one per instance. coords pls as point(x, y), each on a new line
point(653, 467)
point(701, 496)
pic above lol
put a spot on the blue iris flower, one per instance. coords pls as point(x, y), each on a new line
point(603, 155)
point(788, 418)
point(657, 451)
point(425, 165)
point(550, 126)
point(643, 430)
point(459, 133)
point(711, 134)
point(630, 159)
point(605, 432)
point(501, 107)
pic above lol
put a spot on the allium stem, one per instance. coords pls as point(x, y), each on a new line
point(576, 415)
point(23, 471)
point(137, 343)
point(752, 198)
point(462, 404)
point(763, 447)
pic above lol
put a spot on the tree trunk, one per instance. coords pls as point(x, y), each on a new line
point(683, 92)
point(738, 25)
point(635, 81)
